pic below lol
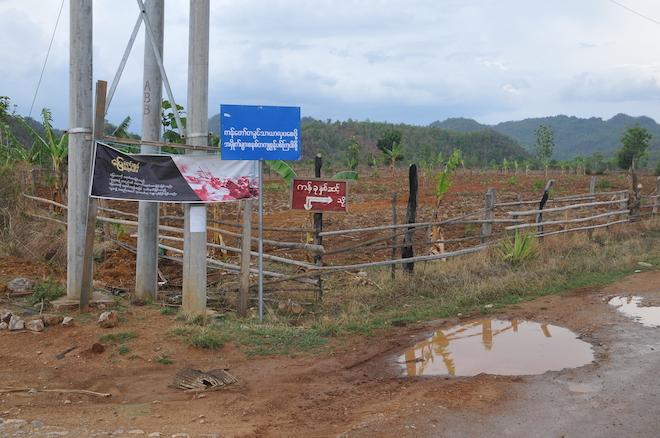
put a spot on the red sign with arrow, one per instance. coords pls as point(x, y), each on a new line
point(318, 195)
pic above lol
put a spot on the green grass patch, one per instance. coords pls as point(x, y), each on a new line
point(163, 359)
point(123, 349)
point(117, 338)
point(167, 310)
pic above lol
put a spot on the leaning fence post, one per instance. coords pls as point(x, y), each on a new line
point(318, 229)
point(246, 247)
point(394, 220)
point(411, 218)
point(656, 204)
point(634, 198)
point(544, 200)
point(487, 227)
point(592, 190)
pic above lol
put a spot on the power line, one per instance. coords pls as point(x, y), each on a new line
point(46, 60)
point(646, 17)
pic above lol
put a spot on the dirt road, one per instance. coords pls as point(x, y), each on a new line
point(356, 390)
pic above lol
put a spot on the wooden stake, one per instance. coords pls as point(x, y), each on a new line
point(318, 228)
point(487, 227)
point(394, 219)
point(592, 190)
point(246, 243)
point(411, 217)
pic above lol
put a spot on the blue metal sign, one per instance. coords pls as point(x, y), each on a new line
point(254, 132)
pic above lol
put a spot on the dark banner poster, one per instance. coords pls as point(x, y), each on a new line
point(171, 178)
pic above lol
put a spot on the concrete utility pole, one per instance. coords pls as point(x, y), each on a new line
point(80, 140)
point(194, 245)
point(146, 270)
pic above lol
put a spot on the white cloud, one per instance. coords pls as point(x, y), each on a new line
point(412, 61)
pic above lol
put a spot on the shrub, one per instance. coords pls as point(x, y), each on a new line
point(520, 249)
point(48, 291)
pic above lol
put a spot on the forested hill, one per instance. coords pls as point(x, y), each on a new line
point(421, 142)
point(573, 136)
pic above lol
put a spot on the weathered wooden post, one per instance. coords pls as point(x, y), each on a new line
point(487, 227)
point(318, 229)
point(544, 200)
point(592, 190)
point(634, 198)
point(656, 204)
point(87, 281)
point(394, 220)
point(411, 217)
point(246, 248)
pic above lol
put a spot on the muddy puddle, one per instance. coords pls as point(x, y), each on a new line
point(507, 348)
point(648, 316)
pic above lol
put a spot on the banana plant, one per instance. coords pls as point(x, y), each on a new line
point(441, 188)
point(50, 147)
point(287, 173)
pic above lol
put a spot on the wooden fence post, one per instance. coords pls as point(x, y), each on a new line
point(487, 227)
point(634, 198)
point(246, 248)
point(394, 220)
point(592, 190)
point(411, 218)
point(656, 204)
point(544, 200)
point(318, 229)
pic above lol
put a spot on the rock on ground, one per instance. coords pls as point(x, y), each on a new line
point(19, 285)
point(67, 321)
point(36, 325)
point(108, 319)
point(16, 323)
point(50, 320)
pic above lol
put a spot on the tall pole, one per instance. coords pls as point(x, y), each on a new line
point(194, 245)
point(146, 270)
point(80, 140)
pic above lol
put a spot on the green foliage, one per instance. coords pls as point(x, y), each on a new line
point(123, 349)
point(538, 185)
point(121, 130)
point(346, 174)
point(545, 144)
point(657, 169)
point(444, 177)
point(167, 310)
point(206, 339)
point(117, 338)
point(388, 141)
point(518, 250)
point(635, 143)
point(595, 164)
point(603, 184)
point(48, 291)
point(171, 132)
point(353, 154)
point(282, 169)
point(513, 180)
point(163, 359)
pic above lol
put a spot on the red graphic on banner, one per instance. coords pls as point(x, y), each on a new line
point(319, 195)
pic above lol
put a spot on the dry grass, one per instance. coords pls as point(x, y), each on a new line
point(467, 283)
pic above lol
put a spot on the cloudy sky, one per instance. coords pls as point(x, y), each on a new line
point(412, 61)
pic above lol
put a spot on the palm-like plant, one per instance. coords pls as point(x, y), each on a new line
point(393, 155)
point(441, 188)
point(49, 147)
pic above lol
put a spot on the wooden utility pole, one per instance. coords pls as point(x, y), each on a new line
point(146, 268)
point(80, 140)
point(194, 246)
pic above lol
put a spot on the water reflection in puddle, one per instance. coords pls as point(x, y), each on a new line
point(648, 316)
point(492, 346)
